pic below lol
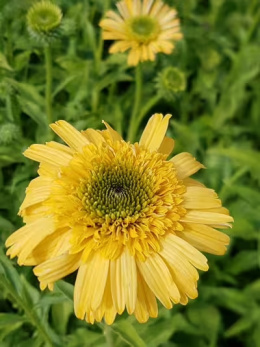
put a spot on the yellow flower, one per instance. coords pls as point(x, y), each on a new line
point(130, 221)
point(145, 27)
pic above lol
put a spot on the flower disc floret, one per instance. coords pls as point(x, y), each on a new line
point(143, 29)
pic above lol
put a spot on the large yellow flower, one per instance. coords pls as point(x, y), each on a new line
point(145, 27)
point(131, 222)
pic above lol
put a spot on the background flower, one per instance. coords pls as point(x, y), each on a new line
point(143, 27)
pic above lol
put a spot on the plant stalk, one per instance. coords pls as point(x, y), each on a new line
point(137, 102)
point(108, 335)
point(48, 89)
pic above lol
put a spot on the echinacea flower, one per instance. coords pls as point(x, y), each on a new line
point(44, 20)
point(129, 221)
point(144, 27)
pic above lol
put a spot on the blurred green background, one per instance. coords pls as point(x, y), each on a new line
point(216, 118)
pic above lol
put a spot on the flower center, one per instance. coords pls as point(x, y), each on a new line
point(143, 28)
point(44, 17)
point(115, 192)
point(119, 195)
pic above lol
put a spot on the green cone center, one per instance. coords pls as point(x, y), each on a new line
point(116, 192)
point(144, 28)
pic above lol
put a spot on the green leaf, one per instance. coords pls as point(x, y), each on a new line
point(31, 102)
point(230, 298)
point(29, 293)
point(6, 225)
point(10, 319)
point(243, 261)
point(128, 333)
point(33, 110)
point(65, 288)
point(10, 155)
point(3, 63)
point(113, 78)
point(9, 273)
point(80, 336)
point(243, 324)
point(207, 319)
point(244, 157)
point(253, 290)
point(160, 331)
point(60, 314)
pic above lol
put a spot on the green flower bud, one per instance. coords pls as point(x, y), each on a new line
point(9, 133)
point(44, 21)
point(170, 82)
point(210, 59)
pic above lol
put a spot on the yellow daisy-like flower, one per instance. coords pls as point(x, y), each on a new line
point(145, 27)
point(131, 222)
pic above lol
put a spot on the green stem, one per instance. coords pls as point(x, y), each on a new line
point(48, 90)
point(138, 97)
point(253, 26)
point(146, 108)
point(118, 117)
point(108, 335)
point(100, 47)
point(9, 110)
point(29, 313)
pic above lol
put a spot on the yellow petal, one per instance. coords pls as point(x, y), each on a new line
point(48, 155)
point(70, 135)
point(134, 56)
point(120, 46)
point(184, 274)
point(190, 182)
point(115, 16)
point(129, 280)
point(146, 305)
point(52, 246)
point(56, 268)
point(24, 240)
point(167, 146)
point(205, 238)
point(159, 280)
point(154, 132)
point(157, 6)
point(186, 165)
point(114, 135)
point(200, 198)
point(117, 284)
point(106, 309)
point(90, 285)
point(210, 218)
point(60, 147)
point(93, 136)
point(123, 9)
point(38, 190)
point(187, 251)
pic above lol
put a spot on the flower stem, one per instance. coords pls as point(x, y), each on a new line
point(108, 335)
point(48, 90)
point(100, 45)
point(146, 108)
point(138, 97)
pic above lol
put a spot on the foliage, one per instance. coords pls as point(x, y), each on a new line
point(216, 118)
